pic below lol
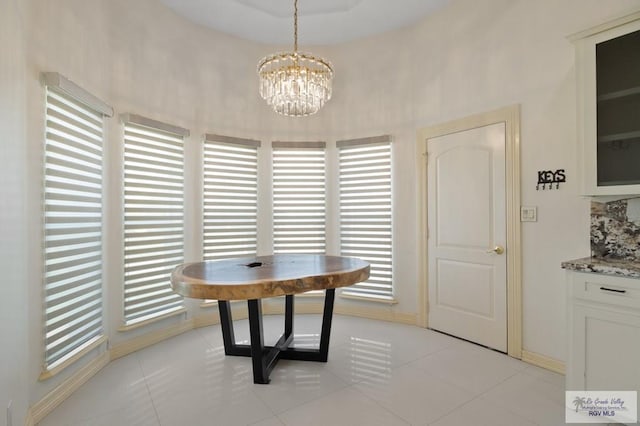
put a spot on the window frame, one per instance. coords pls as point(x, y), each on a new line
point(283, 183)
point(365, 160)
point(72, 194)
point(158, 134)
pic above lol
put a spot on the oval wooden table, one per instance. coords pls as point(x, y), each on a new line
point(255, 278)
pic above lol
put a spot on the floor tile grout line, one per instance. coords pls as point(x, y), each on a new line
point(476, 395)
point(489, 389)
point(146, 383)
point(541, 376)
point(455, 409)
point(337, 377)
point(379, 405)
point(483, 394)
point(464, 404)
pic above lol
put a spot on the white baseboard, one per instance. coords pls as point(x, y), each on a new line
point(240, 312)
point(544, 362)
point(133, 345)
point(382, 314)
point(212, 317)
point(39, 410)
point(28, 421)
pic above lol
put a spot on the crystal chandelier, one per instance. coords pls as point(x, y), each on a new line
point(295, 84)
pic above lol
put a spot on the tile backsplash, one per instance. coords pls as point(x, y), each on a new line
point(615, 229)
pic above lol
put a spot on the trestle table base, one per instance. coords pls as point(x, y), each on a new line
point(264, 358)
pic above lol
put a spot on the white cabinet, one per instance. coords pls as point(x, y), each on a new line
point(604, 333)
point(608, 107)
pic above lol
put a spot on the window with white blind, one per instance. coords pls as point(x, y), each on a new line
point(73, 161)
point(365, 212)
point(299, 197)
point(153, 217)
point(230, 197)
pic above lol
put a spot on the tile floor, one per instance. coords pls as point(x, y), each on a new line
point(378, 373)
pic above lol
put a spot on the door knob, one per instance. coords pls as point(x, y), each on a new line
point(496, 250)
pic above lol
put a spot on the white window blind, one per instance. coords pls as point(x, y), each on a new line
point(365, 212)
point(230, 199)
point(299, 197)
point(153, 217)
point(73, 158)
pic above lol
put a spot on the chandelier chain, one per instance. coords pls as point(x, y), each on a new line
point(295, 26)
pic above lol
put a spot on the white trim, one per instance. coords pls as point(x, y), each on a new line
point(382, 300)
point(141, 342)
point(369, 312)
point(606, 26)
point(94, 344)
point(28, 420)
point(39, 410)
point(377, 313)
point(208, 303)
point(213, 303)
point(134, 325)
point(313, 294)
point(238, 312)
point(511, 117)
point(544, 361)
point(153, 124)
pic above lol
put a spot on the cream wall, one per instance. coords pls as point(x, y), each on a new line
point(468, 58)
point(13, 254)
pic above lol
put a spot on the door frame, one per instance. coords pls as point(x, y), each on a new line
point(510, 116)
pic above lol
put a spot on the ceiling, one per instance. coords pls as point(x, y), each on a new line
point(319, 21)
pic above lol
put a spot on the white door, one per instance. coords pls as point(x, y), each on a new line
point(467, 235)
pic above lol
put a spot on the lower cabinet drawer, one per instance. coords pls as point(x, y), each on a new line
point(619, 291)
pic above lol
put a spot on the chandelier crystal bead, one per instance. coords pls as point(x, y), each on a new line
point(295, 84)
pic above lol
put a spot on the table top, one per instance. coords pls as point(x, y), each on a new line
point(266, 276)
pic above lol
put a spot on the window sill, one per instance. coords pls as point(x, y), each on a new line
point(382, 300)
point(48, 373)
point(134, 325)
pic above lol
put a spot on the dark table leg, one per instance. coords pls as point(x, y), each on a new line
point(226, 323)
point(288, 315)
point(228, 336)
point(327, 316)
point(260, 370)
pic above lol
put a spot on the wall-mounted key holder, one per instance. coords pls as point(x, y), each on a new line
point(548, 177)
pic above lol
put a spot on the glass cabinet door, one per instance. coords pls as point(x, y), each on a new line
point(618, 110)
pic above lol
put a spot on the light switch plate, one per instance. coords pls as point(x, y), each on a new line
point(528, 214)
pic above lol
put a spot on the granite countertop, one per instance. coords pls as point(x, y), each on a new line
point(620, 268)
